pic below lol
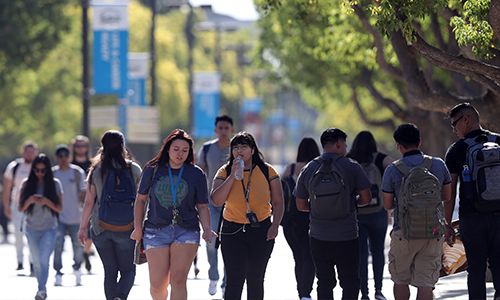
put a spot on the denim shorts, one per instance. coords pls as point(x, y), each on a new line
point(164, 237)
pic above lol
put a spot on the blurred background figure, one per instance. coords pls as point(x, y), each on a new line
point(81, 154)
point(373, 218)
point(72, 179)
point(296, 223)
point(41, 202)
point(14, 174)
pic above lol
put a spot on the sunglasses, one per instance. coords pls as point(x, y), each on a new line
point(80, 146)
point(454, 124)
point(42, 170)
point(63, 155)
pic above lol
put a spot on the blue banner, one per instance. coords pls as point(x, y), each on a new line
point(206, 94)
point(110, 27)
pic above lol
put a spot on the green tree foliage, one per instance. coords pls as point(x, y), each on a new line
point(395, 61)
point(42, 101)
point(29, 29)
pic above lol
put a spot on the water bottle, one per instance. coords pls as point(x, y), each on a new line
point(238, 175)
point(468, 188)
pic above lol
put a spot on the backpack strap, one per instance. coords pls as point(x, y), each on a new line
point(205, 150)
point(292, 172)
point(403, 168)
point(379, 161)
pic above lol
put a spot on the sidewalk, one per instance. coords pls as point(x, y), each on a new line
point(279, 284)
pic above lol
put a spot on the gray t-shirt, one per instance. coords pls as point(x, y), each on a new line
point(42, 217)
point(73, 182)
point(212, 160)
point(98, 182)
point(22, 171)
point(391, 182)
point(344, 229)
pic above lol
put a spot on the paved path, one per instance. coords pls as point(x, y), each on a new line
point(279, 284)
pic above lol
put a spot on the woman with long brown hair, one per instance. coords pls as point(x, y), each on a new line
point(113, 244)
point(178, 203)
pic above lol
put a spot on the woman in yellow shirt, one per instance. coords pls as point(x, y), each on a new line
point(247, 235)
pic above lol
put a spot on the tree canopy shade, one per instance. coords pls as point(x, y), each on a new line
point(413, 58)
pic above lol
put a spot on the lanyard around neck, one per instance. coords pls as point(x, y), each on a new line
point(174, 187)
point(247, 190)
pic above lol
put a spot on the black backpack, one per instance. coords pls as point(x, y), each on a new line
point(329, 191)
point(290, 205)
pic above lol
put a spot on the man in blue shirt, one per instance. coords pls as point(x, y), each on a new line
point(412, 261)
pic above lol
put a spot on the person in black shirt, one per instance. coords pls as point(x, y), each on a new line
point(480, 232)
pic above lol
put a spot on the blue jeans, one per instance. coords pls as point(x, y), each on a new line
point(480, 233)
point(77, 246)
point(41, 244)
point(344, 256)
point(372, 231)
point(212, 253)
point(116, 251)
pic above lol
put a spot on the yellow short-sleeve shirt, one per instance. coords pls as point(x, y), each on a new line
point(259, 195)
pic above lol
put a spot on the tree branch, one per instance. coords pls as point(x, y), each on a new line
point(377, 39)
point(486, 74)
point(386, 123)
point(494, 17)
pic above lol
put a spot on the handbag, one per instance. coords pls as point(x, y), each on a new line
point(139, 254)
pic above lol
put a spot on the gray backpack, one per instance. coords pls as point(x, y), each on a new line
point(483, 159)
point(420, 207)
point(329, 191)
point(375, 177)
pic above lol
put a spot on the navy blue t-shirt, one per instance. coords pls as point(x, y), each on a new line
point(192, 190)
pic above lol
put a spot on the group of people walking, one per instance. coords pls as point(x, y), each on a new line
point(339, 212)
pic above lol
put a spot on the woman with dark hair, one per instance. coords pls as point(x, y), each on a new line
point(114, 245)
point(41, 200)
point(81, 154)
point(178, 203)
point(296, 230)
point(372, 219)
point(247, 235)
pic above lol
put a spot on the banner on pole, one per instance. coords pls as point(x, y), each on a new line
point(206, 94)
point(110, 27)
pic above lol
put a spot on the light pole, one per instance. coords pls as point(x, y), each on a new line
point(85, 71)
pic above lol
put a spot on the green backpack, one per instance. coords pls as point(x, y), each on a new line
point(420, 207)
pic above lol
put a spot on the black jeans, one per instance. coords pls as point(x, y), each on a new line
point(245, 255)
point(297, 237)
point(345, 256)
point(480, 233)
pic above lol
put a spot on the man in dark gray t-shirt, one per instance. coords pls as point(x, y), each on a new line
point(335, 242)
point(211, 157)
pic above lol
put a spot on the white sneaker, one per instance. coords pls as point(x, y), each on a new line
point(78, 277)
point(212, 287)
point(41, 295)
point(58, 281)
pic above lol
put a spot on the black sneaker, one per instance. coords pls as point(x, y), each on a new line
point(19, 267)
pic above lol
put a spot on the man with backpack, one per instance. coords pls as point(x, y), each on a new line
point(211, 157)
point(479, 209)
point(327, 187)
point(414, 187)
point(72, 178)
point(14, 174)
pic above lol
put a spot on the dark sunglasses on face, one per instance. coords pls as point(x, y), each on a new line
point(42, 170)
point(63, 155)
point(80, 146)
point(454, 124)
